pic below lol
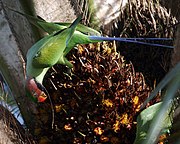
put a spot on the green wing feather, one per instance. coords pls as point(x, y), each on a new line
point(53, 49)
point(82, 28)
point(49, 51)
point(80, 35)
point(53, 27)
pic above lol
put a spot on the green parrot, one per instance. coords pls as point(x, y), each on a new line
point(86, 35)
point(47, 52)
point(53, 48)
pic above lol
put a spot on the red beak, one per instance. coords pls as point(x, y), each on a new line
point(42, 97)
point(36, 90)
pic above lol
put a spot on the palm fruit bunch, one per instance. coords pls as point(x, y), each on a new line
point(145, 18)
point(99, 99)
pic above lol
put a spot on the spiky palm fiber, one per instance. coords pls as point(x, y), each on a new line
point(98, 100)
point(145, 18)
point(88, 11)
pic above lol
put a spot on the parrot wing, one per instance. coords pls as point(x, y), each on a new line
point(53, 27)
point(82, 28)
point(51, 52)
point(40, 23)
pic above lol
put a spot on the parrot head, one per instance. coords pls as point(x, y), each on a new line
point(36, 90)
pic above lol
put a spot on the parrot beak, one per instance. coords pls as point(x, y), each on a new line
point(42, 97)
point(36, 90)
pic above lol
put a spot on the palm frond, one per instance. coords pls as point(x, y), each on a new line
point(171, 83)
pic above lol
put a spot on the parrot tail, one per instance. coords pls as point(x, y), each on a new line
point(134, 40)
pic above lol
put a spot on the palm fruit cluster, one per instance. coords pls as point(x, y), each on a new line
point(99, 99)
point(145, 18)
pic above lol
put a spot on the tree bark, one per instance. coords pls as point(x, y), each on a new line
point(16, 37)
point(176, 55)
point(11, 132)
point(14, 45)
point(54, 10)
point(174, 7)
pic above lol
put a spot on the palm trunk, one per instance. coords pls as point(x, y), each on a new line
point(173, 6)
point(11, 132)
point(14, 44)
point(16, 37)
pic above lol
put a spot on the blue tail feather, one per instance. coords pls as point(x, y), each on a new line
point(133, 40)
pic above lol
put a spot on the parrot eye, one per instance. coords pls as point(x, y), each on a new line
point(34, 93)
point(37, 54)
